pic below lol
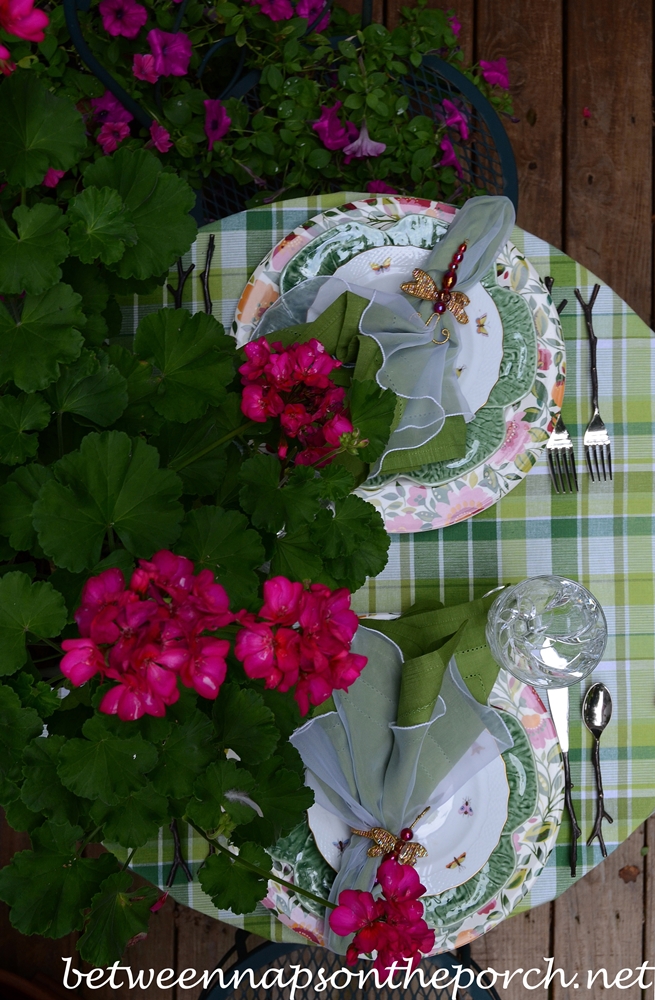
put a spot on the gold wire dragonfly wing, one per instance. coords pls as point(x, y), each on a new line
point(385, 843)
point(424, 287)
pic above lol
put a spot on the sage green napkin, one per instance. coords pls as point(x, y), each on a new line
point(401, 738)
point(337, 328)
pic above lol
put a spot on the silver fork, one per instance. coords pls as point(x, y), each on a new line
point(596, 441)
point(561, 460)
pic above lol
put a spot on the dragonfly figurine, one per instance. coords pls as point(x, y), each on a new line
point(403, 848)
point(424, 287)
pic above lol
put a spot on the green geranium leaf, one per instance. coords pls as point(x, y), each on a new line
point(34, 693)
point(223, 788)
point(135, 820)
point(159, 204)
point(271, 506)
point(18, 416)
point(17, 499)
point(38, 130)
point(101, 227)
point(42, 790)
point(283, 799)
point(90, 388)
point(26, 607)
point(230, 885)
point(48, 888)
point(46, 334)
point(178, 444)
point(371, 413)
point(86, 280)
point(101, 766)
point(295, 555)
point(117, 915)
point(351, 567)
point(111, 482)
point(341, 532)
point(184, 755)
point(18, 726)
point(139, 415)
point(221, 541)
point(336, 482)
point(29, 262)
point(18, 816)
point(244, 724)
point(193, 360)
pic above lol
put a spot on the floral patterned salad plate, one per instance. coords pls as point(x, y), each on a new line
point(511, 427)
point(459, 835)
point(464, 911)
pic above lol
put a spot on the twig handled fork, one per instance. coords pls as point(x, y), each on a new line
point(596, 441)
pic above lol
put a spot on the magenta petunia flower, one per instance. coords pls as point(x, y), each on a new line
point(161, 138)
point(379, 187)
point(455, 118)
point(109, 109)
point(217, 121)
point(363, 146)
point(277, 10)
point(311, 9)
point(143, 68)
point(495, 72)
point(111, 134)
point(122, 17)
point(18, 17)
point(455, 26)
point(449, 159)
point(330, 130)
point(52, 177)
point(172, 52)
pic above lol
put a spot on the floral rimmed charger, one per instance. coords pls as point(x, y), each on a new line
point(509, 431)
point(468, 910)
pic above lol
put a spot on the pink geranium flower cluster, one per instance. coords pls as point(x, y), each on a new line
point(293, 383)
point(392, 925)
point(301, 637)
point(148, 635)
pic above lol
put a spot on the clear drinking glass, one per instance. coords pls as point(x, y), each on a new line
point(547, 631)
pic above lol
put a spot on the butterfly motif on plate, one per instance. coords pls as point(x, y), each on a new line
point(384, 266)
point(424, 287)
point(457, 862)
point(480, 325)
point(466, 809)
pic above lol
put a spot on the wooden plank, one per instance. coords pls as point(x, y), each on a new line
point(528, 33)
point(609, 154)
point(649, 902)
point(518, 943)
point(598, 922)
point(201, 943)
point(355, 6)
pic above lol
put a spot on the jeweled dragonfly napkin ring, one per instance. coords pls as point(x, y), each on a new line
point(403, 848)
point(424, 287)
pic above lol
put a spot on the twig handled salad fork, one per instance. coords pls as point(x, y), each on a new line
point(597, 448)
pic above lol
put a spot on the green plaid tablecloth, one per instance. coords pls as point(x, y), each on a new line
point(604, 537)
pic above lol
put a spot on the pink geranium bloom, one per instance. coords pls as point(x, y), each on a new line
point(363, 146)
point(311, 9)
point(495, 72)
point(52, 177)
point(109, 109)
point(335, 427)
point(449, 159)
point(277, 10)
point(379, 187)
point(455, 118)
point(111, 134)
point(161, 138)
point(172, 52)
point(217, 121)
point(7, 67)
point(331, 132)
point(122, 17)
point(281, 601)
point(82, 661)
point(143, 68)
point(207, 667)
point(18, 17)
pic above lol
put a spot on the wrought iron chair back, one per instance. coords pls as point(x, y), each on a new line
point(486, 157)
point(285, 956)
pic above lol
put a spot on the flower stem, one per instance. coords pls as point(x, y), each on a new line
point(176, 466)
point(129, 858)
point(238, 860)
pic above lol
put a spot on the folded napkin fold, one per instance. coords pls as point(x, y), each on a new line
point(401, 738)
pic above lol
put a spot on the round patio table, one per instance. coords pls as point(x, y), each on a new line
point(602, 536)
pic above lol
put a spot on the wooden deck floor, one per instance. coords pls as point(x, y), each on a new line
point(586, 185)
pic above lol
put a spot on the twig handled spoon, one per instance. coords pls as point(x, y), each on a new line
point(596, 713)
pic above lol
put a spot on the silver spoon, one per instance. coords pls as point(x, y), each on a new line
point(596, 713)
